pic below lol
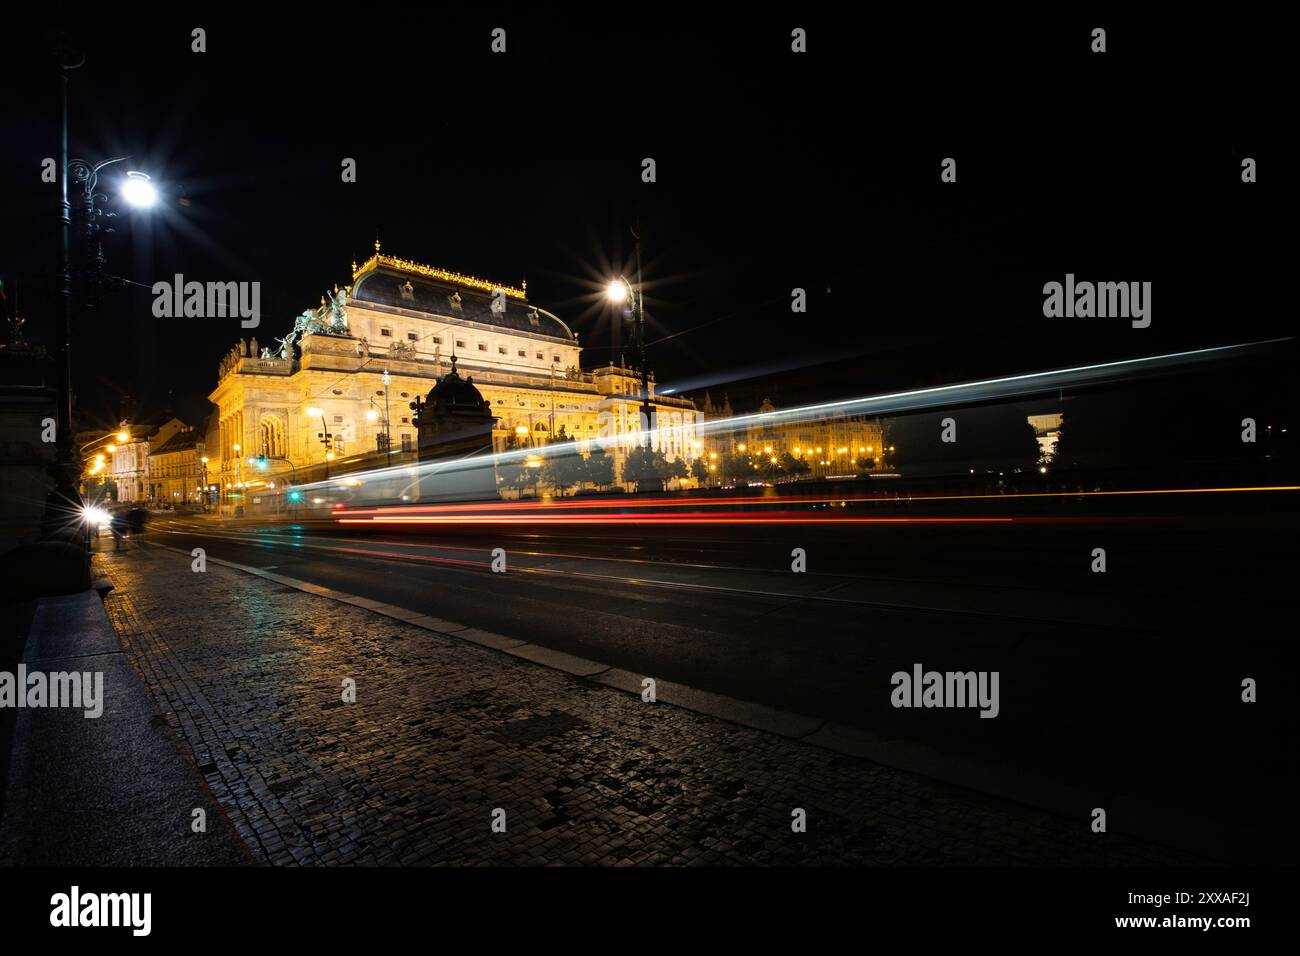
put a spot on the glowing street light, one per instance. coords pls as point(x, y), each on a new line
point(138, 190)
point(618, 291)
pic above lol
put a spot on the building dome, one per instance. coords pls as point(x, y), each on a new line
point(402, 284)
point(455, 394)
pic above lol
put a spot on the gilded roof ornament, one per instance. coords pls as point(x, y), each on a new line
point(431, 272)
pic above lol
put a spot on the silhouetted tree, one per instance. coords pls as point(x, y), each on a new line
point(788, 464)
point(599, 466)
point(564, 465)
point(644, 467)
point(511, 472)
point(700, 471)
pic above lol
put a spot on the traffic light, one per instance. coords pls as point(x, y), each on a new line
point(295, 496)
point(261, 462)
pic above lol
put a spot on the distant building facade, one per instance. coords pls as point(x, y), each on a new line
point(128, 462)
point(337, 390)
point(175, 471)
point(828, 445)
point(1047, 429)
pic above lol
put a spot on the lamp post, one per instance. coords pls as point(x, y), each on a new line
point(552, 400)
point(239, 476)
point(138, 192)
point(620, 291)
point(388, 428)
point(325, 437)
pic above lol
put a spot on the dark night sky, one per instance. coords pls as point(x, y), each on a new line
point(775, 171)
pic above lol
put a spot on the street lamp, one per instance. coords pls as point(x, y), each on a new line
point(620, 291)
point(86, 175)
point(138, 191)
point(325, 437)
point(239, 471)
point(120, 436)
point(388, 427)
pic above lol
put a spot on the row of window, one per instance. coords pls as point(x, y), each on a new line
point(462, 344)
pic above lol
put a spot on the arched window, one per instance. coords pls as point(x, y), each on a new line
point(271, 437)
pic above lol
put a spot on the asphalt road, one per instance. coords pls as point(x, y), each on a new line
point(1127, 682)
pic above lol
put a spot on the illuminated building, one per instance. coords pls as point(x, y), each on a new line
point(175, 472)
point(830, 445)
point(343, 386)
point(128, 463)
point(1047, 429)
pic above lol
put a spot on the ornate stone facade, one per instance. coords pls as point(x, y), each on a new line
point(404, 322)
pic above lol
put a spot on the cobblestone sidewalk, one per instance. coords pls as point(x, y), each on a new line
point(250, 675)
